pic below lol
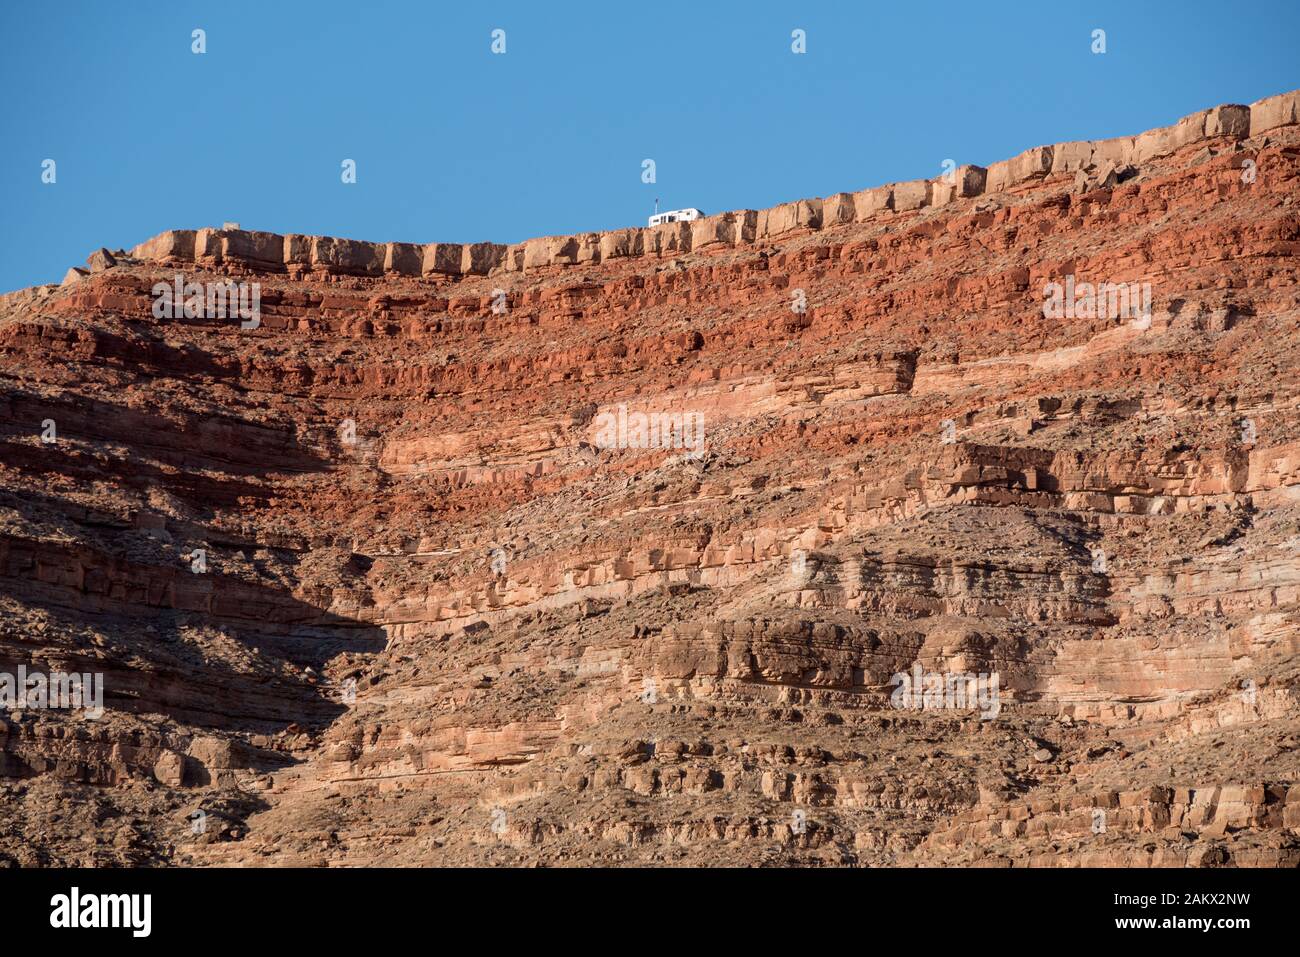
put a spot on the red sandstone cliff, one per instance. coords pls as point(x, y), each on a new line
point(440, 623)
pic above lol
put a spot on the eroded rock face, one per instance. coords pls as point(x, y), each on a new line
point(612, 547)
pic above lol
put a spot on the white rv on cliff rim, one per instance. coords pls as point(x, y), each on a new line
point(675, 216)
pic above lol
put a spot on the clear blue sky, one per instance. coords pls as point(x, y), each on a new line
point(457, 144)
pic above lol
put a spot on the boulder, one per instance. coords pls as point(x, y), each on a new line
point(100, 260)
point(169, 769)
point(218, 754)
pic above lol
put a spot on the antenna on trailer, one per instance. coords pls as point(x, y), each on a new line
point(656, 205)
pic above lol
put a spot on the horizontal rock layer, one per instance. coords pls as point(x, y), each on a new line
point(723, 230)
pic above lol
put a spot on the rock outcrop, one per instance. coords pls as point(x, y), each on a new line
point(613, 547)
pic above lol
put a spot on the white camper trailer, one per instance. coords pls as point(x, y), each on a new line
point(675, 216)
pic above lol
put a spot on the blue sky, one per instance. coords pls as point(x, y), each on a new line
point(455, 143)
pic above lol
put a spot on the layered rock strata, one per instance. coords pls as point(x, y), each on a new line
point(367, 582)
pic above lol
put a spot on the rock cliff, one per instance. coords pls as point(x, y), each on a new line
point(367, 584)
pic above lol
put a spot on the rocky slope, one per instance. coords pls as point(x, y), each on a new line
point(438, 621)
